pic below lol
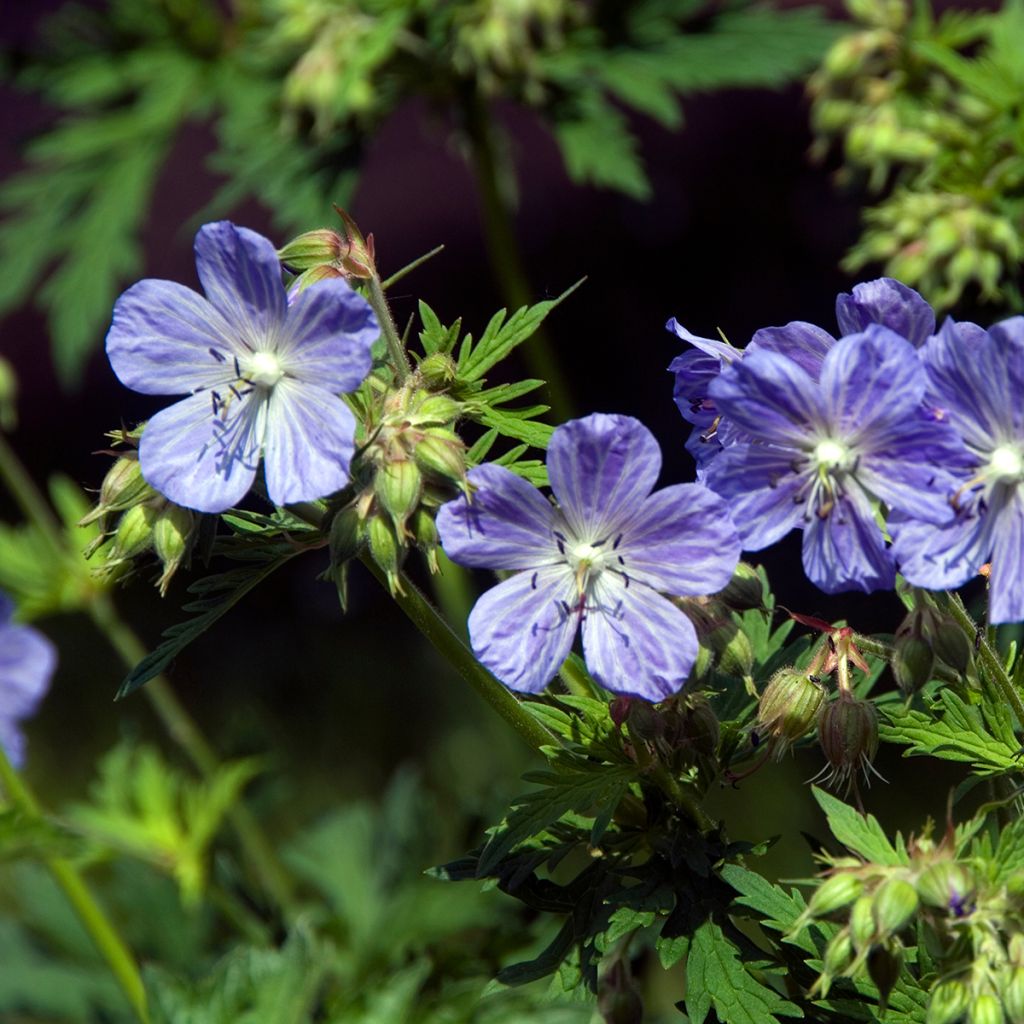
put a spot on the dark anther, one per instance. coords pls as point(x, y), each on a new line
point(533, 582)
point(618, 541)
point(219, 356)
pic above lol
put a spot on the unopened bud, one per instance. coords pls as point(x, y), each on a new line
point(172, 540)
point(442, 454)
point(950, 643)
point(346, 535)
point(985, 1009)
point(313, 249)
point(835, 893)
point(134, 534)
point(789, 706)
point(913, 662)
point(885, 962)
point(312, 276)
point(700, 727)
point(895, 903)
point(644, 722)
point(437, 409)
point(948, 1003)
point(947, 885)
point(424, 532)
point(398, 485)
point(1013, 994)
point(838, 953)
point(862, 923)
point(437, 370)
point(744, 591)
point(386, 551)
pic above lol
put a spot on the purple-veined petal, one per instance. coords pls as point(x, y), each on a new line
point(328, 337)
point(804, 343)
point(890, 303)
point(199, 461)
point(523, 629)
point(27, 661)
point(694, 371)
point(241, 276)
point(635, 641)
point(712, 346)
point(761, 490)
point(682, 540)
point(845, 550)
point(166, 339)
point(308, 443)
point(870, 376)
point(1006, 582)
point(770, 397)
point(508, 523)
point(914, 488)
point(601, 468)
point(941, 557)
point(703, 447)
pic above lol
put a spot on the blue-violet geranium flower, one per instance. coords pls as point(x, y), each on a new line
point(263, 375)
point(27, 661)
point(602, 557)
point(976, 384)
point(828, 451)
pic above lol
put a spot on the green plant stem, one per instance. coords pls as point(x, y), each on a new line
point(95, 921)
point(183, 729)
point(396, 350)
point(503, 249)
point(441, 636)
point(175, 719)
point(989, 657)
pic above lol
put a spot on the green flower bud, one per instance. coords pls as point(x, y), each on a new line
point(950, 643)
point(437, 370)
point(442, 454)
point(835, 893)
point(1015, 949)
point(885, 962)
point(862, 923)
point(134, 534)
point(398, 485)
point(699, 726)
point(838, 953)
point(1013, 994)
point(789, 706)
point(424, 532)
point(8, 396)
point(744, 591)
point(312, 249)
point(985, 1009)
point(346, 535)
point(948, 1003)
point(913, 663)
point(848, 735)
point(172, 540)
point(122, 487)
point(945, 884)
point(895, 903)
point(437, 409)
point(386, 550)
point(313, 276)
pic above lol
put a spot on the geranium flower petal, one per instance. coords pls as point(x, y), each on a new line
point(308, 444)
point(890, 303)
point(635, 641)
point(601, 468)
point(166, 339)
point(241, 276)
point(940, 557)
point(27, 662)
point(845, 549)
point(329, 333)
point(761, 490)
point(712, 346)
point(804, 343)
point(523, 629)
point(1006, 594)
point(201, 461)
point(507, 524)
point(682, 540)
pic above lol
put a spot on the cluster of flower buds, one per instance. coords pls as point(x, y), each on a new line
point(411, 462)
point(325, 253)
point(940, 242)
point(971, 921)
point(680, 732)
point(927, 640)
point(135, 520)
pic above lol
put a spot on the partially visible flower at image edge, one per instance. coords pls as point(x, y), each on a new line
point(601, 558)
point(27, 662)
point(262, 375)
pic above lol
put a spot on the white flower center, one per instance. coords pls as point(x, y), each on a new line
point(264, 369)
point(1006, 463)
point(830, 454)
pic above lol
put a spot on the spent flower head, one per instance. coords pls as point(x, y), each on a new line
point(262, 375)
point(601, 557)
point(27, 661)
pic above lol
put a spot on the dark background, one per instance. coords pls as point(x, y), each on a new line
point(743, 232)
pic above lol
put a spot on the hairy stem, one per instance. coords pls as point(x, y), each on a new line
point(101, 930)
point(396, 350)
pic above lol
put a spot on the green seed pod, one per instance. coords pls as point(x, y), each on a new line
point(424, 532)
point(848, 734)
point(134, 534)
point(172, 540)
point(948, 640)
point(442, 454)
point(1015, 949)
point(885, 961)
point(744, 591)
point(1013, 994)
point(946, 885)
point(386, 550)
point(736, 657)
point(948, 1003)
point(437, 371)
point(913, 662)
point(838, 953)
point(895, 903)
point(312, 249)
point(700, 728)
point(789, 706)
point(862, 923)
point(346, 537)
point(835, 893)
point(122, 487)
point(398, 485)
point(437, 409)
point(985, 1009)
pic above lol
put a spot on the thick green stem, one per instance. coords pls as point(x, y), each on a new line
point(96, 923)
point(430, 623)
point(396, 350)
point(503, 250)
point(994, 667)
